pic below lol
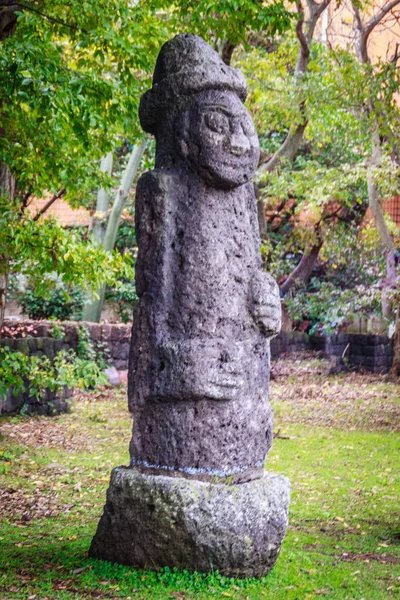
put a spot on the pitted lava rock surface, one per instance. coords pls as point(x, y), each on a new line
point(199, 362)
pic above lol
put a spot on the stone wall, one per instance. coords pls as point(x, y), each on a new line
point(293, 341)
point(36, 338)
point(115, 337)
point(371, 352)
point(49, 403)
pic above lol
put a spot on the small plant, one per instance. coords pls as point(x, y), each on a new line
point(13, 367)
point(103, 354)
point(92, 351)
point(18, 369)
point(57, 331)
point(87, 374)
point(85, 349)
point(66, 371)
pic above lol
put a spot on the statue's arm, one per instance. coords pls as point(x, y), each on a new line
point(266, 304)
point(143, 226)
point(151, 231)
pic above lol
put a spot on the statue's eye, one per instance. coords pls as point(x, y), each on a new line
point(247, 125)
point(217, 121)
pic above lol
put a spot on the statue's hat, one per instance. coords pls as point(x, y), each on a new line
point(186, 65)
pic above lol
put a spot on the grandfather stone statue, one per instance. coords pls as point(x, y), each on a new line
point(196, 495)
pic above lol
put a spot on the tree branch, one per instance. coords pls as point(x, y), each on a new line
point(288, 149)
point(49, 18)
point(332, 215)
point(293, 140)
point(48, 204)
point(304, 268)
point(304, 47)
point(396, 54)
point(363, 30)
point(380, 14)
point(227, 51)
point(8, 19)
point(316, 11)
point(24, 202)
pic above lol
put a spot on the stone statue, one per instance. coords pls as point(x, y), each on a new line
point(199, 364)
point(200, 353)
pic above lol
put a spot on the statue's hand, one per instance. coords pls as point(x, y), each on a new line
point(201, 369)
point(266, 304)
point(222, 378)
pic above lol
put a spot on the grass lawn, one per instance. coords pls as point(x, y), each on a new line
point(336, 440)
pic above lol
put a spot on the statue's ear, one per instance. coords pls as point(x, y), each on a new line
point(182, 134)
point(183, 147)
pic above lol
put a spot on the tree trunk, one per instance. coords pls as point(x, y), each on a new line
point(262, 221)
point(304, 268)
point(395, 370)
point(8, 18)
point(93, 308)
point(227, 51)
point(7, 189)
point(288, 150)
point(7, 182)
point(363, 31)
point(3, 295)
point(305, 29)
point(122, 194)
point(100, 216)
point(373, 199)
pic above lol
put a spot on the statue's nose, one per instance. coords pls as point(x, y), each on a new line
point(239, 143)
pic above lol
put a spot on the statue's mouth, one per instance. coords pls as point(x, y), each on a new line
point(236, 162)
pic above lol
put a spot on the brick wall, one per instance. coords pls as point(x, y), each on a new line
point(62, 211)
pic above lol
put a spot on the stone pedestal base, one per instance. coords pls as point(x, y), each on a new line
point(152, 521)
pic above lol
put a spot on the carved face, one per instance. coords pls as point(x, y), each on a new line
point(218, 139)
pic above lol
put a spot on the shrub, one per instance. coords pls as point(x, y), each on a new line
point(327, 307)
point(66, 370)
point(62, 303)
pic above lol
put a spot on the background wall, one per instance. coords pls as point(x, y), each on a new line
point(370, 352)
